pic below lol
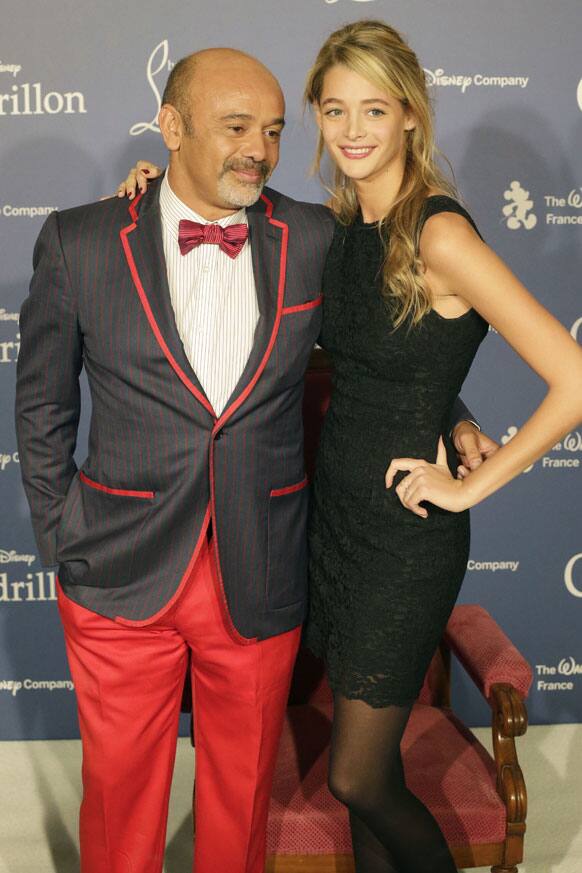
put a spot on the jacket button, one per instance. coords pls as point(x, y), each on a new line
point(218, 436)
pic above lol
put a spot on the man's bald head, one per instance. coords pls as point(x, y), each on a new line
point(192, 70)
point(221, 119)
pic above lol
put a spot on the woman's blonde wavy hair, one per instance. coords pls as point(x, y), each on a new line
point(377, 52)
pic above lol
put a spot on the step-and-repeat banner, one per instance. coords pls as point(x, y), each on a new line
point(80, 87)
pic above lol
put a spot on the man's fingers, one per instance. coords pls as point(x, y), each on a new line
point(462, 471)
point(470, 451)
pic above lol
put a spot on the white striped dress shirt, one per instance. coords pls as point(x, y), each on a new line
point(214, 300)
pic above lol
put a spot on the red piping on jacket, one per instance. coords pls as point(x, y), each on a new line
point(226, 414)
point(241, 399)
point(280, 295)
point(118, 492)
point(302, 307)
point(149, 314)
point(289, 489)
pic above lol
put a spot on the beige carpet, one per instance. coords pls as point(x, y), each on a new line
point(40, 790)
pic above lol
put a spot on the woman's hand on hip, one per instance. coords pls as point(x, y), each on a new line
point(433, 483)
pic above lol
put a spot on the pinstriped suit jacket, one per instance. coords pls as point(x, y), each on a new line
point(126, 528)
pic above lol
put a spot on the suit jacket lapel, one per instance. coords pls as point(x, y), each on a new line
point(268, 240)
point(144, 251)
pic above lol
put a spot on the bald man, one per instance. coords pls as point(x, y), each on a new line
point(183, 532)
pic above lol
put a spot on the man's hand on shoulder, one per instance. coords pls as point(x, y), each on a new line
point(473, 447)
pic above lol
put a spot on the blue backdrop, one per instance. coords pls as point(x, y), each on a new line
point(80, 85)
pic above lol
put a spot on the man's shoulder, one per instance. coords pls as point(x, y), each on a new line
point(112, 211)
point(282, 205)
point(102, 218)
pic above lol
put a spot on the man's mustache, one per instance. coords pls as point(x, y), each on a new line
point(261, 167)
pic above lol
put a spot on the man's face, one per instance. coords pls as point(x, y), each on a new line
point(236, 119)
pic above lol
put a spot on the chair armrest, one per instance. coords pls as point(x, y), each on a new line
point(486, 653)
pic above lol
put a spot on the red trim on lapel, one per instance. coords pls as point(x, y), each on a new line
point(302, 307)
point(118, 492)
point(280, 296)
point(148, 311)
point(187, 573)
point(234, 406)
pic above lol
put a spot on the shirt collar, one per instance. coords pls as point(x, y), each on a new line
point(173, 210)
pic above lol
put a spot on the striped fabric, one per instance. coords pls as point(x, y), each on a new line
point(126, 527)
point(214, 300)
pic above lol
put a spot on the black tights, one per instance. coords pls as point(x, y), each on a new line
point(392, 831)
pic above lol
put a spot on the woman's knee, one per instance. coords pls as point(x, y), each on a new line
point(345, 787)
point(362, 793)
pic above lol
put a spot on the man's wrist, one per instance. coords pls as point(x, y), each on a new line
point(464, 421)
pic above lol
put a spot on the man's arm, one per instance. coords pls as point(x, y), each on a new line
point(48, 400)
point(472, 445)
point(462, 413)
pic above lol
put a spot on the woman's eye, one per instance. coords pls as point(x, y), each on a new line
point(333, 113)
point(376, 113)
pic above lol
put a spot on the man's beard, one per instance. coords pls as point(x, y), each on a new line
point(236, 193)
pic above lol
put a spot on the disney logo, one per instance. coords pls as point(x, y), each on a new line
point(572, 442)
point(158, 62)
point(13, 558)
point(437, 77)
point(10, 68)
point(8, 459)
point(569, 667)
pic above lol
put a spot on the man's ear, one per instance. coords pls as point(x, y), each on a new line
point(171, 127)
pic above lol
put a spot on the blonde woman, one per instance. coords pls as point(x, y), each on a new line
point(409, 290)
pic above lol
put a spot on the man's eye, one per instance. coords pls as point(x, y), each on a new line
point(236, 128)
point(274, 134)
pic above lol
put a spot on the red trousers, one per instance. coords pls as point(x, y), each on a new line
point(129, 683)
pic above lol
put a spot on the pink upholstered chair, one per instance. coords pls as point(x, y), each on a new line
point(478, 799)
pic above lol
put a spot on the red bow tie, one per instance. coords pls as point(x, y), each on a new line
point(231, 239)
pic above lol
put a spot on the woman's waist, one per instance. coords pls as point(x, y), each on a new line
point(395, 432)
point(381, 398)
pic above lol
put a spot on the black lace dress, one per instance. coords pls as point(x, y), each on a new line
point(383, 581)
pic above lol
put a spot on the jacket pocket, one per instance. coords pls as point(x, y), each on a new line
point(287, 545)
point(303, 307)
point(99, 532)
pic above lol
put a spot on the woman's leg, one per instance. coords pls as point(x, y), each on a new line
point(392, 831)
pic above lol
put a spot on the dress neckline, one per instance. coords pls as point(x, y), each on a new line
point(367, 225)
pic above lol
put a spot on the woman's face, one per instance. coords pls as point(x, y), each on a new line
point(362, 126)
